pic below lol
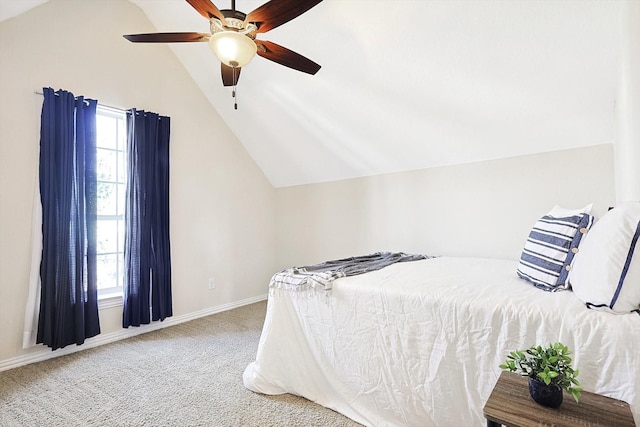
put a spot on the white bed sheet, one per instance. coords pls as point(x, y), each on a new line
point(419, 343)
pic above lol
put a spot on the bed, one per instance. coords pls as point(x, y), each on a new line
point(419, 343)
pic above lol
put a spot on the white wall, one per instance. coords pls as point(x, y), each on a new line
point(627, 135)
point(477, 209)
point(222, 207)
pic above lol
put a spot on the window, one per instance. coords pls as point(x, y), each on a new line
point(111, 171)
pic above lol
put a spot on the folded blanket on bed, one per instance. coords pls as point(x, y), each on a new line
point(320, 276)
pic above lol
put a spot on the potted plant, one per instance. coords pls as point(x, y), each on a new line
point(549, 371)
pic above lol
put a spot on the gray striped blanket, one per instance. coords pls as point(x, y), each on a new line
point(321, 276)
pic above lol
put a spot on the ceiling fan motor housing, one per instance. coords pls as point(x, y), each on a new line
point(234, 21)
point(228, 13)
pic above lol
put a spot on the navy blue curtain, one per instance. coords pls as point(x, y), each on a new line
point(69, 300)
point(147, 252)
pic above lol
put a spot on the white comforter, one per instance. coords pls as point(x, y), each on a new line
point(419, 343)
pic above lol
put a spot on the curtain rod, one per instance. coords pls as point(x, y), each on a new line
point(100, 104)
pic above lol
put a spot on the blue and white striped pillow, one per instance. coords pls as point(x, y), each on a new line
point(550, 248)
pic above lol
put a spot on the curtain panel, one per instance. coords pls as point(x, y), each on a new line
point(147, 252)
point(68, 310)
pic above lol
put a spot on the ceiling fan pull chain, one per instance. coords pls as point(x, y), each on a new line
point(235, 89)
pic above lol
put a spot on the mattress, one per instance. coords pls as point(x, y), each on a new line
point(419, 343)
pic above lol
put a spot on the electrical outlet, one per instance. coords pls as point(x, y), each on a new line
point(212, 283)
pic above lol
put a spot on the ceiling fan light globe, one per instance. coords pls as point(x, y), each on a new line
point(233, 49)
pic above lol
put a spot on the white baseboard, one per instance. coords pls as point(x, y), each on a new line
point(102, 339)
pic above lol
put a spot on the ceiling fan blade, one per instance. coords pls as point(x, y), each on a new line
point(286, 57)
point(230, 75)
point(167, 37)
point(276, 12)
point(206, 9)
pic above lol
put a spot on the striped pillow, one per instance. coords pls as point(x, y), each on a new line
point(550, 248)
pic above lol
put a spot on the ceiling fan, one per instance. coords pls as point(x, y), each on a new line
point(233, 35)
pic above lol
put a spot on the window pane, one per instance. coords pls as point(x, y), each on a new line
point(107, 236)
point(106, 131)
point(106, 165)
point(121, 236)
point(107, 271)
point(122, 194)
point(107, 198)
point(122, 167)
point(122, 134)
point(120, 278)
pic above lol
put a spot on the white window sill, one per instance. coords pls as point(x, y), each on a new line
point(109, 300)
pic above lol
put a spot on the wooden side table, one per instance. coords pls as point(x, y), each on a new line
point(511, 405)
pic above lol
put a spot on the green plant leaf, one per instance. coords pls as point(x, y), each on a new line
point(550, 364)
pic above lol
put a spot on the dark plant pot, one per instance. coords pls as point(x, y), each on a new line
point(547, 395)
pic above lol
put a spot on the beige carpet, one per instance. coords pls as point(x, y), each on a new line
point(185, 375)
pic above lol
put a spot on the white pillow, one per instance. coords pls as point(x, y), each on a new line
point(606, 271)
point(548, 253)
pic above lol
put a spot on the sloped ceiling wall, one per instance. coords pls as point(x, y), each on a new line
point(412, 84)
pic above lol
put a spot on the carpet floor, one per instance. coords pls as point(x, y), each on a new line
point(185, 375)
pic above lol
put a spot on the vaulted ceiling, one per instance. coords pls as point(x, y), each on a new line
point(410, 84)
